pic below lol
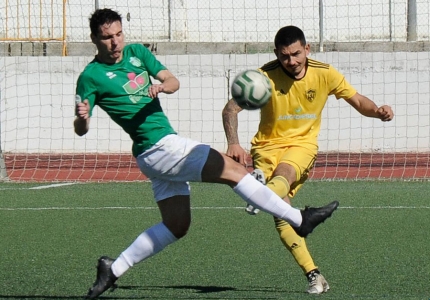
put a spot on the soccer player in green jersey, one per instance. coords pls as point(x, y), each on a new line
point(118, 80)
point(285, 146)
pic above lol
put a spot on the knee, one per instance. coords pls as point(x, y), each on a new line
point(180, 229)
point(220, 168)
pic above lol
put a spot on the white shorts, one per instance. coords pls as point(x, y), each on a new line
point(171, 163)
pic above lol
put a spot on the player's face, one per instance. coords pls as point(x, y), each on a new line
point(293, 58)
point(109, 42)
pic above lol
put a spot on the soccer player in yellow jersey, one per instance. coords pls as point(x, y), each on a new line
point(285, 147)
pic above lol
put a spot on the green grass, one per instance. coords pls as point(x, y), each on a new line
point(376, 246)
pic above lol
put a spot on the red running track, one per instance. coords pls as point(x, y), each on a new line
point(122, 167)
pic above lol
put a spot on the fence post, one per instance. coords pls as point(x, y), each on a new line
point(321, 24)
point(412, 21)
point(3, 174)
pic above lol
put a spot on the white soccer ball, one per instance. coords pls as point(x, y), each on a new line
point(251, 89)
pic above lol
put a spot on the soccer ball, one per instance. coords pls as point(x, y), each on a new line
point(251, 89)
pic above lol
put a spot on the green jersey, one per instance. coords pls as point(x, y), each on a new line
point(121, 90)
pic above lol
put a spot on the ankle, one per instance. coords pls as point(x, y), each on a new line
point(312, 273)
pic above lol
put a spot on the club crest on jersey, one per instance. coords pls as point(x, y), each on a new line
point(310, 95)
point(135, 61)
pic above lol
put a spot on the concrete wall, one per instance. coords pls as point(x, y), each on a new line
point(178, 48)
point(37, 102)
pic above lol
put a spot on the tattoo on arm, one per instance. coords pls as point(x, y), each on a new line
point(230, 122)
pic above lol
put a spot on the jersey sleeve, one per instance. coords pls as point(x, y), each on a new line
point(151, 62)
point(85, 89)
point(338, 85)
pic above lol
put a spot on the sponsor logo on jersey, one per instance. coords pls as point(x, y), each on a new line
point(110, 75)
point(137, 86)
point(298, 116)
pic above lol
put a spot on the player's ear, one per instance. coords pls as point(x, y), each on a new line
point(93, 38)
point(307, 49)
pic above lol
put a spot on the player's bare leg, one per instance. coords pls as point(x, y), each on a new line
point(220, 168)
point(176, 216)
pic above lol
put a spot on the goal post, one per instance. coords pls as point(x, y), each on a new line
point(3, 174)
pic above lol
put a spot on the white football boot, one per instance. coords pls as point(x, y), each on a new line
point(317, 283)
point(259, 175)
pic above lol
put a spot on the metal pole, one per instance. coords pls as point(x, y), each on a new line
point(96, 4)
point(321, 23)
point(169, 11)
point(64, 29)
point(412, 21)
point(390, 21)
point(3, 174)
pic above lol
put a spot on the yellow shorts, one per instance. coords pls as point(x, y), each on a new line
point(301, 157)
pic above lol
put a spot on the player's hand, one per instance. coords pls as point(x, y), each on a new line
point(236, 152)
point(83, 110)
point(385, 113)
point(155, 89)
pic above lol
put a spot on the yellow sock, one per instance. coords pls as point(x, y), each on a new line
point(296, 245)
point(293, 242)
point(279, 185)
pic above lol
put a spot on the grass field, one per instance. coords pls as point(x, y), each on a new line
point(376, 246)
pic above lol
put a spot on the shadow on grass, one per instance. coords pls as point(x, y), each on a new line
point(198, 289)
point(23, 297)
point(208, 289)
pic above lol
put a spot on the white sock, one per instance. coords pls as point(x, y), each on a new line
point(260, 196)
point(147, 244)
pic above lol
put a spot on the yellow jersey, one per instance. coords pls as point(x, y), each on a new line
point(293, 114)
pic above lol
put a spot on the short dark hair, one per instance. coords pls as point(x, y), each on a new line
point(101, 17)
point(289, 35)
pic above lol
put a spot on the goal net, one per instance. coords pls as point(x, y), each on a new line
point(205, 44)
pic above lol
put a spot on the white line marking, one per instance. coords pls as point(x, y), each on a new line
point(51, 186)
point(77, 208)
point(193, 208)
point(383, 207)
point(41, 186)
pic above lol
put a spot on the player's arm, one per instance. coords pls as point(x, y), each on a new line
point(82, 119)
point(230, 123)
point(368, 108)
point(169, 84)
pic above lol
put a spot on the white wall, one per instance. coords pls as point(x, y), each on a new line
point(37, 103)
